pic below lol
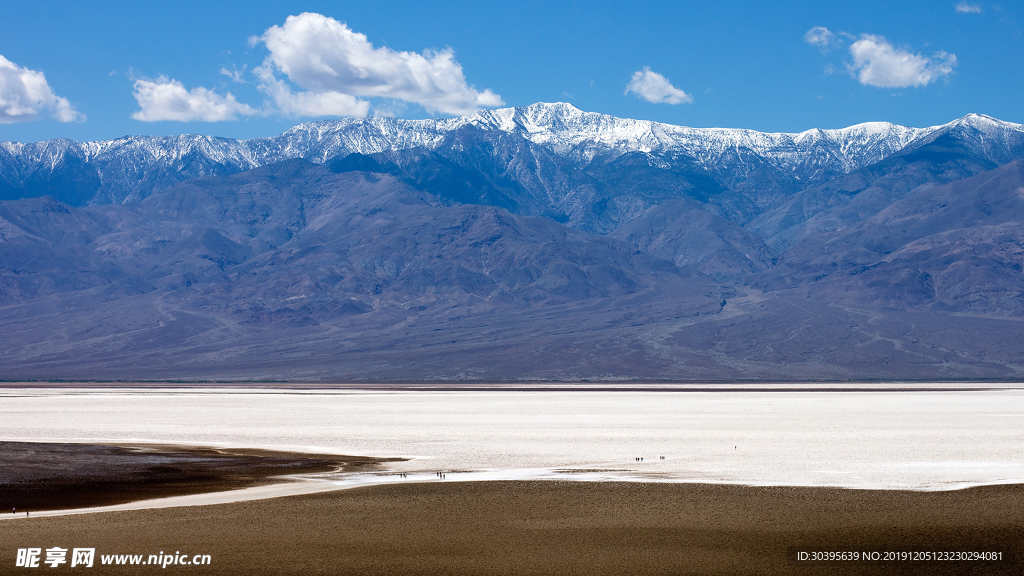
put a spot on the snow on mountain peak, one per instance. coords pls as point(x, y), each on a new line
point(988, 127)
point(564, 129)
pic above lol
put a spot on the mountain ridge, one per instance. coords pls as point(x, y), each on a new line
point(579, 136)
point(519, 244)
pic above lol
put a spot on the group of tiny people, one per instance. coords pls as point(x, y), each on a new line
point(15, 511)
point(441, 475)
point(438, 474)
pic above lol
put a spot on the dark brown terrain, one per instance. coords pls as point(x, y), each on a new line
point(557, 528)
point(51, 476)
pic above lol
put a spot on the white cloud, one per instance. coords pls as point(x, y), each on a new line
point(390, 108)
point(876, 62)
point(236, 74)
point(335, 66)
point(309, 103)
point(25, 95)
point(965, 8)
point(655, 88)
point(820, 36)
point(167, 99)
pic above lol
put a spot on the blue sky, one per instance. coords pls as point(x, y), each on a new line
point(92, 71)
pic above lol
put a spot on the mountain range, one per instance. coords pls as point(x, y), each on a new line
point(532, 243)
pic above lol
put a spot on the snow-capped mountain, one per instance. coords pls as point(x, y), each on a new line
point(131, 168)
point(535, 242)
point(583, 136)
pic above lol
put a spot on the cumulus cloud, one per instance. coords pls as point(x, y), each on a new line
point(820, 36)
point(335, 66)
point(965, 8)
point(166, 99)
point(25, 96)
point(655, 88)
point(876, 62)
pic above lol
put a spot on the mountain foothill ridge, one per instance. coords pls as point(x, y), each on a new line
point(539, 243)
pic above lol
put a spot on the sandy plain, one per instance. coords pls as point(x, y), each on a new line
point(553, 528)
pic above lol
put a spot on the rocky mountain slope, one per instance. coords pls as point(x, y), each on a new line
point(531, 243)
